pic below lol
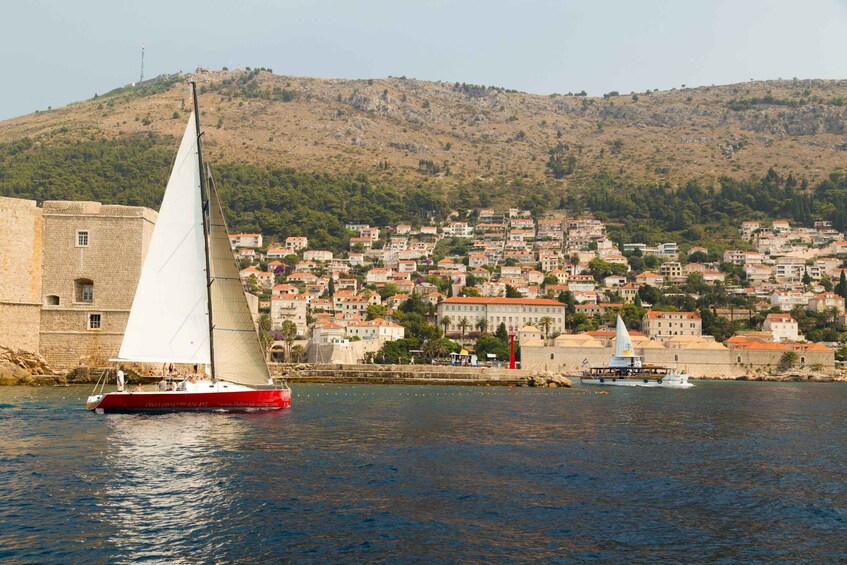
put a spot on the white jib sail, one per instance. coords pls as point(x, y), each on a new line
point(623, 343)
point(168, 321)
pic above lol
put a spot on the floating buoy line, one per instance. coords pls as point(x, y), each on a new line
point(419, 394)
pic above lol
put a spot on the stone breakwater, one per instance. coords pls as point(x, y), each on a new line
point(416, 374)
point(790, 375)
point(323, 373)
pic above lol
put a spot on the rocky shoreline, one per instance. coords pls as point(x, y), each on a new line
point(795, 376)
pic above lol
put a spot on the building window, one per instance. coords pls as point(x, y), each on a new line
point(94, 321)
point(82, 238)
point(52, 300)
point(84, 290)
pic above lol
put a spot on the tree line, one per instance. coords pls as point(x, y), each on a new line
point(280, 202)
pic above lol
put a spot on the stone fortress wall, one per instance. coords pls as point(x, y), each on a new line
point(118, 237)
point(20, 273)
point(42, 268)
point(702, 363)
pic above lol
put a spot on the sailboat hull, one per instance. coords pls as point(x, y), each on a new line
point(178, 401)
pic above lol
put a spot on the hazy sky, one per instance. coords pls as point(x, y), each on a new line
point(56, 52)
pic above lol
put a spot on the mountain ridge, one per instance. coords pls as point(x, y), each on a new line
point(412, 133)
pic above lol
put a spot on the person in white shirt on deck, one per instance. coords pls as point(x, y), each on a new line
point(120, 379)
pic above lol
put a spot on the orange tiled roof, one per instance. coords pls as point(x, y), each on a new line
point(515, 301)
point(657, 314)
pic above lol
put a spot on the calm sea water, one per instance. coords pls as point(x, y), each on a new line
point(724, 472)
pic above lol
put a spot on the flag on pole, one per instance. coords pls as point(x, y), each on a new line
point(585, 362)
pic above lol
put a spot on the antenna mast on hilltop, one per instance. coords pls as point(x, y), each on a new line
point(142, 64)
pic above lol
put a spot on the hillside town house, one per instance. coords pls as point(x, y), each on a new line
point(263, 278)
point(291, 308)
point(319, 255)
point(296, 243)
point(245, 240)
point(277, 253)
point(665, 325)
point(824, 301)
point(782, 327)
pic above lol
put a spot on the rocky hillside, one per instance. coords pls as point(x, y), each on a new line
point(410, 132)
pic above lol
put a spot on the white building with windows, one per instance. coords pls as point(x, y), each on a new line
point(289, 307)
point(245, 240)
point(296, 243)
point(320, 255)
point(515, 313)
point(782, 327)
point(665, 325)
point(458, 229)
point(378, 330)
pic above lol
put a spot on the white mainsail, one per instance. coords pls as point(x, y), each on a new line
point(169, 320)
point(238, 355)
point(623, 343)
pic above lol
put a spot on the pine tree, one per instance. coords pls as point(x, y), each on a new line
point(841, 287)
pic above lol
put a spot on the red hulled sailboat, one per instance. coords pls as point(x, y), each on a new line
point(190, 308)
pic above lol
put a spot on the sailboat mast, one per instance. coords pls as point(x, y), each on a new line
point(204, 198)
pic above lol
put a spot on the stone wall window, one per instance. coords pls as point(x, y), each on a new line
point(52, 300)
point(84, 290)
point(82, 238)
point(94, 321)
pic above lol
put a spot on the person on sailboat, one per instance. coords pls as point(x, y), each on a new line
point(163, 384)
point(120, 379)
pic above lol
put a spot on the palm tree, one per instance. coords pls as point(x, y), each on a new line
point(435, 348)
point(289, 332)
point(446, 321)
point(482, 325)
point(464, 324)
point(545, 323)
point(266, 338)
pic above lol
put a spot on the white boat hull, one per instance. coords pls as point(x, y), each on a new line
point(670, 381)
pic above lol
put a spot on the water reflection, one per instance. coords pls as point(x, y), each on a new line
point(168, 481)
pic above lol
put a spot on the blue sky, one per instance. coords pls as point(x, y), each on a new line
point(56, 52)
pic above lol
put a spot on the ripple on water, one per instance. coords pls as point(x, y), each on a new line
point(721, 472)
